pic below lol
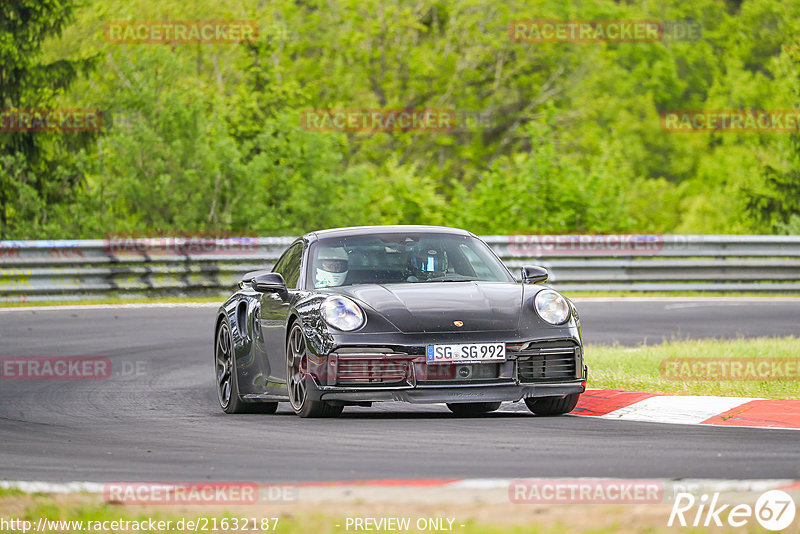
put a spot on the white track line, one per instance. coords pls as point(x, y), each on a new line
point(132, 306)
point(52, 487)
point(676, 409)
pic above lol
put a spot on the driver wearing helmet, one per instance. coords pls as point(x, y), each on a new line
point(331, 267)
point(427, 263)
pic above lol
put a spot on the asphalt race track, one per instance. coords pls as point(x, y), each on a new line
point(156, 418)
point(632, 322)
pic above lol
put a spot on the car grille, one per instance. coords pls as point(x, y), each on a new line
point(547, 361)
point(448, 373)
point(370, 371)
point(371, 366)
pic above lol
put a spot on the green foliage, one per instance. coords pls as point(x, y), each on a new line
point(544, 191)
point(210, 137)
point(37, 170)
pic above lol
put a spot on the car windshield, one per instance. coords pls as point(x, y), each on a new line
point(397, 258)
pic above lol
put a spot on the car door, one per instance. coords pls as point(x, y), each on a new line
point(275, 306)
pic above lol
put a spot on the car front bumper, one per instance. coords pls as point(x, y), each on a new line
point(361, 373)
point(494, 392)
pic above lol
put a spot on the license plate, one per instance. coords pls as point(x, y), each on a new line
point(466, 353)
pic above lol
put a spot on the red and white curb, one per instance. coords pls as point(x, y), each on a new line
point(688, 410)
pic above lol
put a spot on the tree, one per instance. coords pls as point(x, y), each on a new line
point(30, 160)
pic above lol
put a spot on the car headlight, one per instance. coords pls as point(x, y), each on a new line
point(342, 313)
point(551, 306)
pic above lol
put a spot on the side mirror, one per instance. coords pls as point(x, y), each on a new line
point(533, 274)
point(266, 282)
point(247, 279)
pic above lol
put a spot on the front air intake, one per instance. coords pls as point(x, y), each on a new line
point(547, 361)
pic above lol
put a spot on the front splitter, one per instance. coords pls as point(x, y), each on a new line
point(438, 394)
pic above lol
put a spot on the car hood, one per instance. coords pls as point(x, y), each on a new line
point(437, 306)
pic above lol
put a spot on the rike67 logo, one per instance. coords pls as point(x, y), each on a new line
point(774, 510)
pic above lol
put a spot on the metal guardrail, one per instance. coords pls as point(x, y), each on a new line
point(76, 269)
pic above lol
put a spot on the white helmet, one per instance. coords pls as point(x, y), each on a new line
point(331, 266)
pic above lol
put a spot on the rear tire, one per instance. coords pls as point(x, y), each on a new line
point(471, 409)
point(553, 405)
point(296, 380)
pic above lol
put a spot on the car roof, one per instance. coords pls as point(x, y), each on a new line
point(386, 229)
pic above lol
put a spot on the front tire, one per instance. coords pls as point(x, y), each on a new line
point(553, 405)
point(227, 385)
point(471, 409)
point(297, 377)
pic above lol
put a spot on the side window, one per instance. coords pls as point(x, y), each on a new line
point(478, 266)
point(289, 265)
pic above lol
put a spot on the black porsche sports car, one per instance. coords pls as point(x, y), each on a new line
point(423, 314)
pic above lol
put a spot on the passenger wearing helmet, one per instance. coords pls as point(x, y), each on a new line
point(427, 263)
point(331, 267)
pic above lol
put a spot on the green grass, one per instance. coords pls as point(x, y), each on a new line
point(637, 368)
point(47, 507)
point(592, 519)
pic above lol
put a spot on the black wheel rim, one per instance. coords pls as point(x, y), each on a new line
point(295, 375)
point(224, 365)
